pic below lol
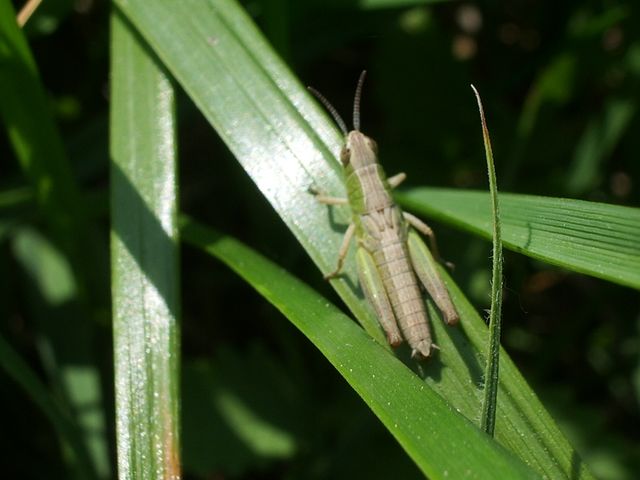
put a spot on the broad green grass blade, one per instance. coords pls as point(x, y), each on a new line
point(144, 261)
point(587, 237)
point(286, 144)
point(442, 442)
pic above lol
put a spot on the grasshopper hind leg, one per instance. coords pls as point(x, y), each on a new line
point(376, 294)
point(425, 267)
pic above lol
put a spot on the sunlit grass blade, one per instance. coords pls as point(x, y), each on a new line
point(144, 261)
point(442, 442)
point(587, 237)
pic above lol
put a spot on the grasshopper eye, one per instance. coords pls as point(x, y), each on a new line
point(345, 156)
point(373, 145)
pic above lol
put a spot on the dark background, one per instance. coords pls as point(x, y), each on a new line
point(560, 86)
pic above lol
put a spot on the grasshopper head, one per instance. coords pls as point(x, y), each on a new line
point(359, 150)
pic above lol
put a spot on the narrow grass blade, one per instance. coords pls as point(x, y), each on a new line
point(442, 442)
point(144, 256)
point(491, 371)
point(587, 237)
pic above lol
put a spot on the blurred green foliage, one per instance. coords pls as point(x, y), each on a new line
point(560, 87)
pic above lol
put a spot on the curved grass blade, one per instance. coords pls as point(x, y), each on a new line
point(587, 237)
point(441, 441)
point(144, 261)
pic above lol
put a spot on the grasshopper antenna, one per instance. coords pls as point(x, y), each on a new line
point(356, 101)
point(330, 108)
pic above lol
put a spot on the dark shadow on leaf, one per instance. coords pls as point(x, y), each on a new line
point(147, 242)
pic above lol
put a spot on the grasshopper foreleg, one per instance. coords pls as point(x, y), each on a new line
point(348, 235)
point(327, 199)
point(397, 179)
point(344, 247)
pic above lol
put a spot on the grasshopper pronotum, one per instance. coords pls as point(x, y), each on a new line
point(390, 254)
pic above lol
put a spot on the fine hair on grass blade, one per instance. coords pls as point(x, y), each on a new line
point(491, 373)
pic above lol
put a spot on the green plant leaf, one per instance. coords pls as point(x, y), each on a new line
point(144, 260)
point(286, 144)
point(491, 375)
point(431, 432)
point(587, 237)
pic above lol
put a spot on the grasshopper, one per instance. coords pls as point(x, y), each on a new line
point(390, 254)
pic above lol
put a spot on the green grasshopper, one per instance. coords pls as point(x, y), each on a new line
point(390, 254)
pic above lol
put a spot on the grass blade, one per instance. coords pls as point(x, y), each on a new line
point(491, 372)
point(144, 256)
point(442, 442)
point(587, 237)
